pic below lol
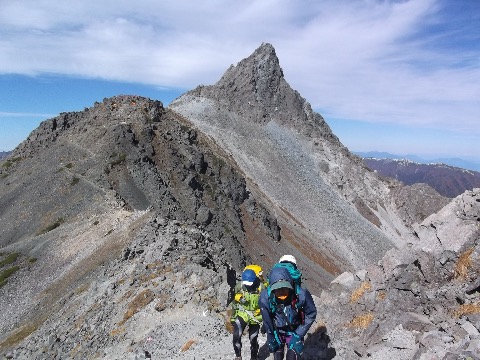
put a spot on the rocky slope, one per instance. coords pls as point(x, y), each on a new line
point(418, 302)
point(83, 185)
point(418, 201)
point(123, 228)
point(320, 192)
point(448, 180)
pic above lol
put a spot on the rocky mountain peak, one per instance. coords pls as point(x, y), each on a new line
point(278, 133)
point(256, 89)
point(258, 77)
point(88, 126)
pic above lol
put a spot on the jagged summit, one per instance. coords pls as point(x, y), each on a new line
point(257, 90)
point(258, 78)
point(86, 126)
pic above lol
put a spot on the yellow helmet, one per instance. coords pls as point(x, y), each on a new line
point(257, 269)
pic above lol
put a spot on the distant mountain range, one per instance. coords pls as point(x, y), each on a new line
point(457, 162)
point(448, 180)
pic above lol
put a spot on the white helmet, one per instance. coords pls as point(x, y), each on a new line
point(288, 258)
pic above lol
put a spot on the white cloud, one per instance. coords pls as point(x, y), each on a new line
point(366, 60)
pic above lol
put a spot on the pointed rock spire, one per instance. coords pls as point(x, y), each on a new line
point(258, 78)
point(256, 90)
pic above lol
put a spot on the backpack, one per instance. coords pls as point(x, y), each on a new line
point(294, 273)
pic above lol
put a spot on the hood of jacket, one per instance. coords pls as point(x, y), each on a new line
point(279, 273)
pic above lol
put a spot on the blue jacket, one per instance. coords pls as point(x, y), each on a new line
point(288, 316)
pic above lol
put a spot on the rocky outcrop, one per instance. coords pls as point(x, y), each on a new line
point(452, 227)
point(418, 302)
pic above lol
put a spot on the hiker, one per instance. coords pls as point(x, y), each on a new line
point(288, 312)
point(290, 263)
point(246, 311)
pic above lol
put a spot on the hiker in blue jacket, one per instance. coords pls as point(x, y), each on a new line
point(288, 312)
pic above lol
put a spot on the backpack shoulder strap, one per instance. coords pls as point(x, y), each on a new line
point(297, 288)
point(299, 302)
point(272, 304)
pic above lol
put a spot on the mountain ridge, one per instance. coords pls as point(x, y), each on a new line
point(449, 181)
point(4, 154)
point(455, 162)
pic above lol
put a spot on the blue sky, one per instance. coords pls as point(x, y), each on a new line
point(395, 76)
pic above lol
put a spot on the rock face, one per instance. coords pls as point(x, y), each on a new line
point(419, 302)
point(332, 210)
point(452, 227)
point(124, 226)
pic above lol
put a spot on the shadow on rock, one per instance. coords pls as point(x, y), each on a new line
point(317, 346)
